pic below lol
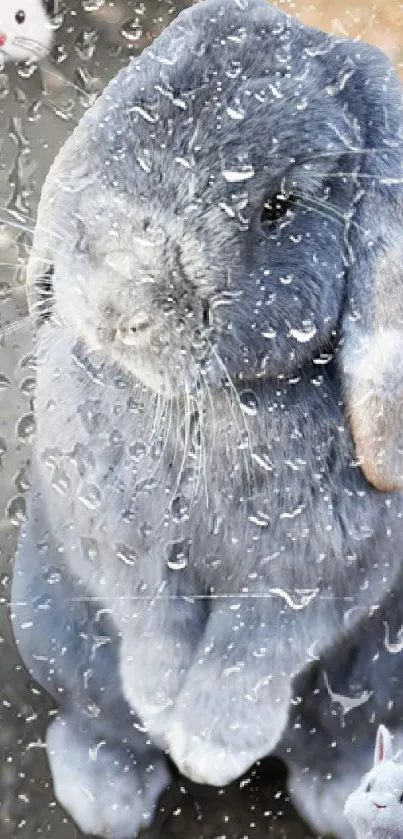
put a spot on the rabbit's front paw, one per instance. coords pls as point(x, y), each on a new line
point(153, 704)
point(205, 762)
point(152, 679)
point(106, 792)
point(156, 653)
point(222, 728)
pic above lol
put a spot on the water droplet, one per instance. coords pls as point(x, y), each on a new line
point(235, 112)
point(131, 31)
point(50, 457)
point(61, 481)
point(180, 509)
point(26, 427)
point(26, 69)
point(15, 510)
point(43, 603)
point(90, 86)
point(157, 449)
point(178, 555)
point(270, 333)
point(238, 175)
point(90, 496)
point(53, 576)
point(92, 5)
point(292, 514)
point(249, 403)
point(298, 599)
point(116, 440)
point(27, 386)
point(83, 457)
point(137, 450)
point(59, 54)
point(28, 361)
point(125, 554)
point(4, 85)
point(261, 456)
point(145, 529)
point(148, 116)
point(259, 518)
point(297, 465)
point(147, 486)
point(5, 382)
point(21, 480)
point(92, 710)
point(395, 646)
point(89, 548)
point(86, 43)
point(303, 335)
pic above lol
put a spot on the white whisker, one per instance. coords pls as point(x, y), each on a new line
point(231, 406)
point(14, 327)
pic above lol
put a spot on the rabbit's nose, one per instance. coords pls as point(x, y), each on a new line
point(379, 806)
point(130, 328)
point(3, 39)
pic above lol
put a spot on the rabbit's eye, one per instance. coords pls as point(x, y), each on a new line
point(368, 787)
point(275, 208)
point(20, 16)
point(401, 799)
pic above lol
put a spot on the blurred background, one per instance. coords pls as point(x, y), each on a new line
point(39, 106)
point(378, 23)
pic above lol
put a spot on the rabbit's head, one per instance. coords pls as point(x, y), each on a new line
point(375, 809)
point(25, 31)
point(231, 207)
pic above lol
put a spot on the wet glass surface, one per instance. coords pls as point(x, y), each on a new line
point(39, 106)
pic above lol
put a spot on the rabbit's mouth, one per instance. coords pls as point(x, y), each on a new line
point(154, 357)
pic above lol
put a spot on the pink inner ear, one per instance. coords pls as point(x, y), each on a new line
point(381, 750)
point(381, 746)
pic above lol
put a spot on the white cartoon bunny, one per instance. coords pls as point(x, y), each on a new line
point(375, 809)
point(25, 31)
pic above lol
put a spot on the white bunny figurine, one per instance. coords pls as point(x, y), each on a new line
point(375, 809)
point(25, 32)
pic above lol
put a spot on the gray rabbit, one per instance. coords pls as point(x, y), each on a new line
point(215, 278)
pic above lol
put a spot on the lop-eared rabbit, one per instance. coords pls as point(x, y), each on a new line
point(216, 283)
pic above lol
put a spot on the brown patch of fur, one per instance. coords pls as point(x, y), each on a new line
point(387, 279)
point(377, 429)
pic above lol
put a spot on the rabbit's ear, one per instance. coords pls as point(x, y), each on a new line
point(70, 163)
point(383, 745)
point(372, 329)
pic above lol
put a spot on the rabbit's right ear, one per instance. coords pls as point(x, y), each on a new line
point(383, 745)
point(372, 344)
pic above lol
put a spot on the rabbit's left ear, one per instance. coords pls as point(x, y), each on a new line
point(372, 329)
point(383, 746)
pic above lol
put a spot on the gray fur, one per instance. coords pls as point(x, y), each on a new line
point(194, 465)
